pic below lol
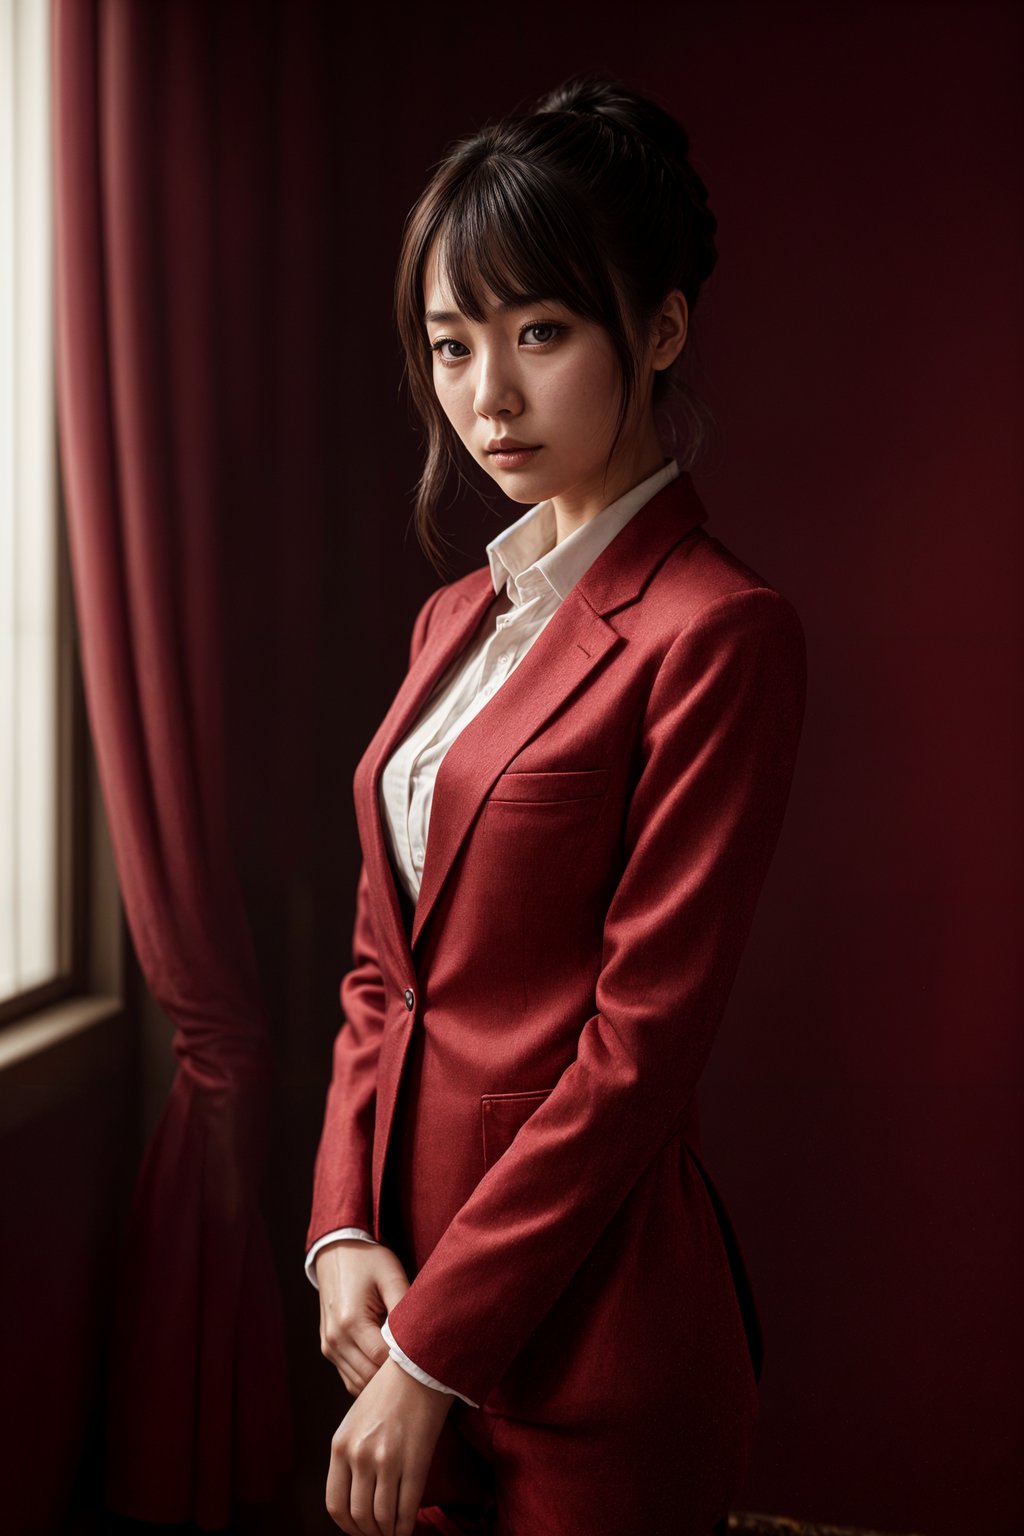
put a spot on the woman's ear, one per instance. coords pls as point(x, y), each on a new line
point(669, 330)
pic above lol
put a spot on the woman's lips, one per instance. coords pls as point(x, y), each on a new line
point(513, 458)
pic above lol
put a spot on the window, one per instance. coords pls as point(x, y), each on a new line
point(35, 763)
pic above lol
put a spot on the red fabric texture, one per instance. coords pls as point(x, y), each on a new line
point(451, 1523)
point(198, 1410)
point(528, 1055)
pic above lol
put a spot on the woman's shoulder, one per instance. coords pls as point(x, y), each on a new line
point(705, 583)
point(443, 600)
point(713, 626)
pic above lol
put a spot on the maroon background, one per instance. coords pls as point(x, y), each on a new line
point(861, 346)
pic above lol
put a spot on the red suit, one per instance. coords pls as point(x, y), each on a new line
point(513, 1102)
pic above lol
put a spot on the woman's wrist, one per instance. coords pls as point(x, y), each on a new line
point(433, 1398)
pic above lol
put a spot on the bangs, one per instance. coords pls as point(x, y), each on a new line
point(501, 233)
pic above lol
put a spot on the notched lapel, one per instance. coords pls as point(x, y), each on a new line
point(575, 641)
point(571, 645)
point(447, 640)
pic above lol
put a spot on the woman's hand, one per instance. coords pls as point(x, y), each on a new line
point(381, 1454)
point(359, 1283)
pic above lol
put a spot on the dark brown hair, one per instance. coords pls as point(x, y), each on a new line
point(588, 198)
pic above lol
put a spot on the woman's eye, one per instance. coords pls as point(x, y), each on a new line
point(545, 325)
point(553, 327)
point(445, 341)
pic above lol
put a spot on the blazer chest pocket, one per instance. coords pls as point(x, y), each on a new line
point(503, 1115)
point(548, 787)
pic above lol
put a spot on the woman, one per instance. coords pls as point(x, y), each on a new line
point(527, 1280)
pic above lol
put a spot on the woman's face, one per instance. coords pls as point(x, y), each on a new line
point(539, 375)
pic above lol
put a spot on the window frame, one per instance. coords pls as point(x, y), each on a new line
point(75, 835)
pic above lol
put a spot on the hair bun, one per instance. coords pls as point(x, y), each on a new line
point(634, 116)
point(592, 95)
point(612, 101)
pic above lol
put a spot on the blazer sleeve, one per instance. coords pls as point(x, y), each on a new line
point(341, 1173)
point(719, 743)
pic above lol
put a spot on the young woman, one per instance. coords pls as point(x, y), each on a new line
point(528, 1282)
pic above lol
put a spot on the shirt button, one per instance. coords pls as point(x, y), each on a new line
point(409, 998)
point(503, 659)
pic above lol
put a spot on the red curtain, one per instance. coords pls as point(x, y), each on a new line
point(197, 1410)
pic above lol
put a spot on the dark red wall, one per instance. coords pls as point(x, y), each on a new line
point(861, 346)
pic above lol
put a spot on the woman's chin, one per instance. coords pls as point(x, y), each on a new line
point(522, 485)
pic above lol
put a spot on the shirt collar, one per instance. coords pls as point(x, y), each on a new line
point(525, 557)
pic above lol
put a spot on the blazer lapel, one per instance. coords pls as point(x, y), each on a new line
point(574, 642)
point(448, 639)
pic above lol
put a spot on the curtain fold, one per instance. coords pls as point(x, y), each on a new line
point(197, 1410)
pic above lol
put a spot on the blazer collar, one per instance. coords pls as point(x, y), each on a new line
point(526, 552)
point(574, 642)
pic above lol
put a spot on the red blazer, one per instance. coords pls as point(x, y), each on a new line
point(525, 1060)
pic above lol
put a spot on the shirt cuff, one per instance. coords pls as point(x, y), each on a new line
point(394, 1350)
point(397, 1354)
point(331, 1237)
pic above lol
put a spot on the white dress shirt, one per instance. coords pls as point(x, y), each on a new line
point(531, 575)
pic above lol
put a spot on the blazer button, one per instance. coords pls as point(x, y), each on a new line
point(409, 998)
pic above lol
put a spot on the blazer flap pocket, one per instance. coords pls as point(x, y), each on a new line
point(550, 784)
point(503, 1115)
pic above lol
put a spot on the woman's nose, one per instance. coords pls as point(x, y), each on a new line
point(497, 388)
